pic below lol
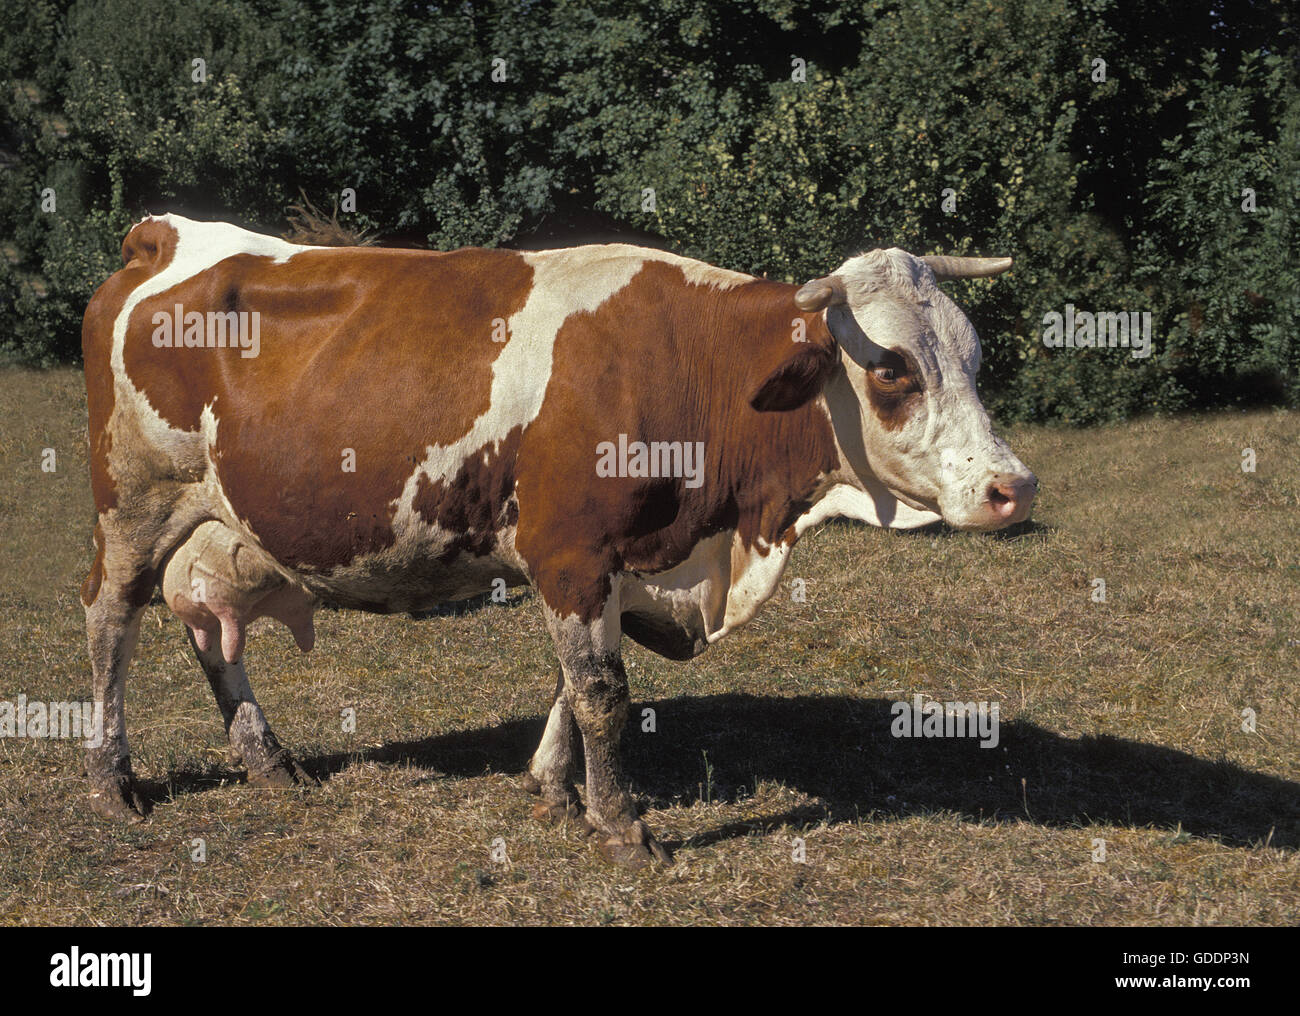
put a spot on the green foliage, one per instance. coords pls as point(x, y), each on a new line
point(1230, 272)
point(1114, 195)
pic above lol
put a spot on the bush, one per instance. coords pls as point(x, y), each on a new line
point(776, 138)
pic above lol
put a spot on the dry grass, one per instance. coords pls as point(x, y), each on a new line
point(1121, 721)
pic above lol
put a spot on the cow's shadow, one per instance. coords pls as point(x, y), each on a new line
point(1029, 529)
point(839, 750)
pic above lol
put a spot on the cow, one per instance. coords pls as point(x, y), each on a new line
point(639, 436)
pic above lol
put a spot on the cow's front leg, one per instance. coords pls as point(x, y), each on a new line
point(550, 772)
point(595, 685)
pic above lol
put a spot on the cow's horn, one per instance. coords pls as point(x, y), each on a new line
point(820, 293)
point(965, 268)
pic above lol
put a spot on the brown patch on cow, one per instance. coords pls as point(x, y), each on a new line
point(665, 360)
point(476, 504)
point(382, 352)
point(139, 591)
point(147, 250)
point(893, 400)
point(90, 587)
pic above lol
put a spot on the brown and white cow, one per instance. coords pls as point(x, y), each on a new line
point(392, 430)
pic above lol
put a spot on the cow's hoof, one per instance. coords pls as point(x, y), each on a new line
point(555, 812)
point(530, 783)
point(119, 804)
point(559, 812)
point(283, 772)
point(635, 848)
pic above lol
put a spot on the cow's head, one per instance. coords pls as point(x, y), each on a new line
point(903, 403)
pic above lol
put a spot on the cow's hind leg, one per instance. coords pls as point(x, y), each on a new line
point(253, 741)
point(550, 772)
point(113, 613)
point(131, 543)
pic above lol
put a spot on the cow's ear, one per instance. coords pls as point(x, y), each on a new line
point(798, 378)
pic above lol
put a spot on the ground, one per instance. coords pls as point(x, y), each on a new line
point(1121, 721)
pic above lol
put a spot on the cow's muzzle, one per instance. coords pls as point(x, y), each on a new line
point(1009, 499)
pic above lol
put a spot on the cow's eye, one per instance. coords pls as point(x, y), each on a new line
point(886, 374)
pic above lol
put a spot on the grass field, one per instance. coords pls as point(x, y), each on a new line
point(1121, 721)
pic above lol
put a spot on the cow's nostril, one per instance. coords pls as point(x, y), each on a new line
point(1008, 499)
point(1011, 499)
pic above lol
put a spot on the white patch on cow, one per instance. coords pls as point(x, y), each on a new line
point(717, 589)
point(208, 425)
point(755, 572)
point(554, 752)
point(565, 282)
point(691, 596)
point(896, 274)
point(878, 507)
